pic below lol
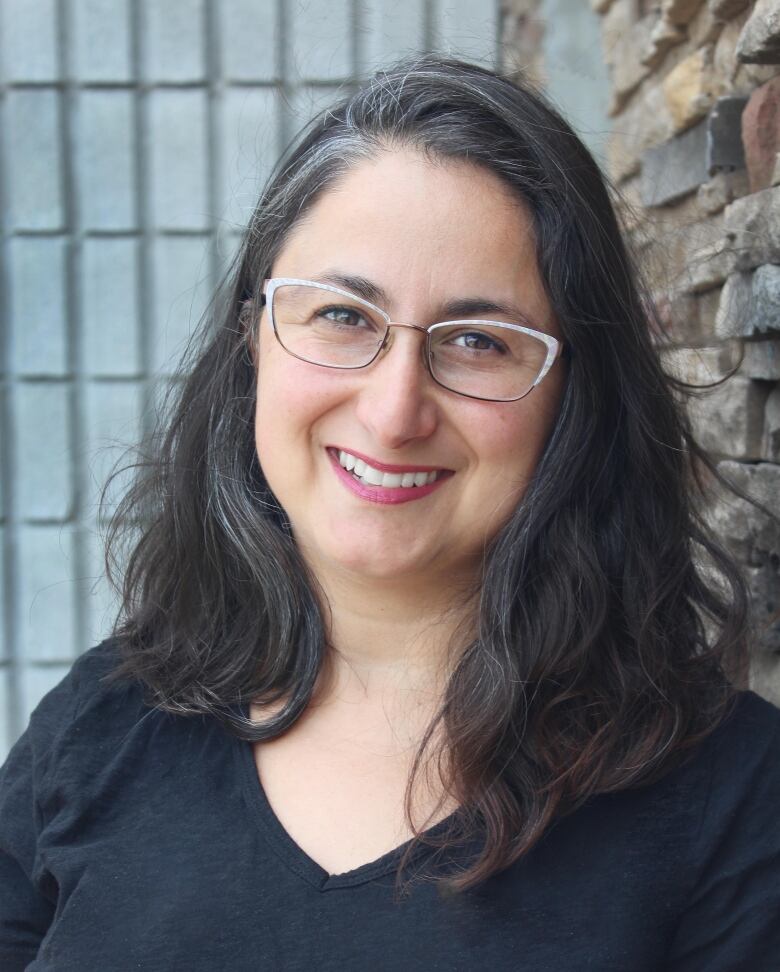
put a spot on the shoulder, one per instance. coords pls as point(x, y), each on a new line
point(748, 739)
point(738, 791)
point(87, 708)
point(732, 891)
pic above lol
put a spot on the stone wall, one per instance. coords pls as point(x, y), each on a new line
point(693, 153)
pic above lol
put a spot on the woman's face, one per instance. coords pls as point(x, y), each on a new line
point(426, 233)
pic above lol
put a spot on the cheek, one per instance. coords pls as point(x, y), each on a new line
point(508, 444)
point(291, 397)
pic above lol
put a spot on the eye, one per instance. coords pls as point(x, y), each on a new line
point(346, 316)
point(478, 341)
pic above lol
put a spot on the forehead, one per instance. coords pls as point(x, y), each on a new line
point(422, 229)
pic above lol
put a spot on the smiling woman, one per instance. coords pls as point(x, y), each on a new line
point(426, 657)
point(373, 224)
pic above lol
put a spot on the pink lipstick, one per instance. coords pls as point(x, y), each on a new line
point(385, 494)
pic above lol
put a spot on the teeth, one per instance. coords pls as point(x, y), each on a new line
point(374, 477)
point(347, 461)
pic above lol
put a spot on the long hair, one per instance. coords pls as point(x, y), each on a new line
point(612, 629)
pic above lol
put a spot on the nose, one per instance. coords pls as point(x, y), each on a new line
point(396, 403)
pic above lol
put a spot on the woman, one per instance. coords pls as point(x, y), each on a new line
point(416, 668)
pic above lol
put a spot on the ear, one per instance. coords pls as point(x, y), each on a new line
point(247, 321)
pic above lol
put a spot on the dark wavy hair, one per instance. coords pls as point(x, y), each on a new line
point(612, 627)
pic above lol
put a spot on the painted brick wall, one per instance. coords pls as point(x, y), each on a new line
point(134, 138)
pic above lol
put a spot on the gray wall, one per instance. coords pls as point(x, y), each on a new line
point(575, 71)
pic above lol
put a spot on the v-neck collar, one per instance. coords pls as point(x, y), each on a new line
point(294, 856)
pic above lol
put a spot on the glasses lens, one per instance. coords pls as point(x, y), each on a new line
point(326, 328)
point(486, 360)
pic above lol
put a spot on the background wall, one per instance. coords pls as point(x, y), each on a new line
point(695, 104)
point(134, 137)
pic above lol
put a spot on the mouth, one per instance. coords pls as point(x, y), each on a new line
point(371, 472)
point(383, 482)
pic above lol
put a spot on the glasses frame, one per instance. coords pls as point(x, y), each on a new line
point(554, 347)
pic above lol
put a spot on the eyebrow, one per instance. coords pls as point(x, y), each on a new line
point(450, 310)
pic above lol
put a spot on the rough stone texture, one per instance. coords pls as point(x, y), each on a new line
point(663, 36)
point(680, 12)
point(720, 190)
point(686, 318)
point(748, 77)
point(764, 585)
point(628, 203)
point(675, 167)
point(644, 122)
point(706, 232)
point(522, 34)
point(727, 8)
point(676, 245)
point(724, 61)
point(681, 164)
point(759, 42)
point(600, 6)
point(625, 60)
point(689, 90)
point(724, 139)
point(762, 360)
point(765, 674)
point(753, 227)
point(678, 251)
point(734, 308)
point(728, 419)
point(770, 443)
point(705, 28)
point(711, 265)
point(750, 303)
point(761, 134)
point(766, 299)
point(754, 538)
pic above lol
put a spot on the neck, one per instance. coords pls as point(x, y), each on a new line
point(392, 640)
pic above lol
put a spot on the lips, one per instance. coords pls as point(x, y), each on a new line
point(388, 495)
point(387, 467)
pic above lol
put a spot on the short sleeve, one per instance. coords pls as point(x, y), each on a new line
point(732, 918)
point(27, 898)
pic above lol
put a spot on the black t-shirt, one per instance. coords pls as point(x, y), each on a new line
point(135, 839)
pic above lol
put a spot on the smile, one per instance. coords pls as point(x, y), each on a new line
point(396, 484)
point(372, 476)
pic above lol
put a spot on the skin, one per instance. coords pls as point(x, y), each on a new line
point(426, 232)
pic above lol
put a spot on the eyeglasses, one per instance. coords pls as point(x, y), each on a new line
point(488, 360)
